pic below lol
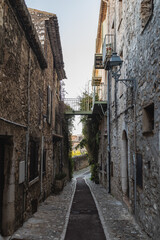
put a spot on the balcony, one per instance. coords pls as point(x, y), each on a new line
point(98, 61)
point(107, 49)
point(96, 81)
point(99, 99)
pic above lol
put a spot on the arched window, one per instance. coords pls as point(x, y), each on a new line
point(146, 11)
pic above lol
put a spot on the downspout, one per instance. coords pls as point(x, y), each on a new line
point(108, 133)
point(28, 129)
point(28, 113)
point(135, 149)
point(42, 147)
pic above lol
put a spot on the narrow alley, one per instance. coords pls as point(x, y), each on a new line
point(54, 217)
point(80, 120)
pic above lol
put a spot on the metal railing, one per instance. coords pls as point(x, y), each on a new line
point(84, 105)
point(78, 105)
point(100, 93)
point(108, 47)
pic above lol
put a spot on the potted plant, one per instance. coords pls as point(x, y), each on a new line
point(59, 181)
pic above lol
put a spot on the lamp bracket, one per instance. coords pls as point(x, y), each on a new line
point(117, 73)
point(125, 81)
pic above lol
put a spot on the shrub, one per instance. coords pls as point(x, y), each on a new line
point(94, 173)
point(60, 176)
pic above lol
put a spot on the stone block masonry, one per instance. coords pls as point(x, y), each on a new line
point(134, 112)
point(26, 74)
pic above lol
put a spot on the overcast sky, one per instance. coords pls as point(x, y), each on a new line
point(78, 21)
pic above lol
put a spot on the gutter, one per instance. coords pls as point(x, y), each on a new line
point(108, 134)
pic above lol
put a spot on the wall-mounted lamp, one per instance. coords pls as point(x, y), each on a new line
point(115, 64)
point(115, 61)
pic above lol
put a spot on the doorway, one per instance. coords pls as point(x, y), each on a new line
point(125, 165)
point(7, 186)
point(1, 181)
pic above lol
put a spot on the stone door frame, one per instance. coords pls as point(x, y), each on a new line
point(125, 165)
point(8, 200)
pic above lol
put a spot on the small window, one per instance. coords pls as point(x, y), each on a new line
point(139, 170)
point(148, 119)
point(34, 147)
point(146, 12)
point(120, 13)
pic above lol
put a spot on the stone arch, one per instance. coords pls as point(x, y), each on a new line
point(124, 164)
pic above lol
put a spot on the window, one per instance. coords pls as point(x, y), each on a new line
point(148, 119)
point(34, 147)
point(139, 170)
point(146, 11)
point(49, 105)
point(120, 13)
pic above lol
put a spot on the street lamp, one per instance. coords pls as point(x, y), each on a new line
point(115, 64)
point(115, 61)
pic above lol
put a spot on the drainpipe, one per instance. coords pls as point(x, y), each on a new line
point(108, 133)
point(28, 112)
point(42, 147)
point(135, 148)
point(28, 129)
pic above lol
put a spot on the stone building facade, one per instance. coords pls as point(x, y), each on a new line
point(31, 110)
point(130, 165)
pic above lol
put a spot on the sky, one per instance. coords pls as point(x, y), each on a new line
point(78, 22)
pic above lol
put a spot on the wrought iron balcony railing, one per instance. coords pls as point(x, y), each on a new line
point(100, 93)
point(78, 106)
point(108, 47)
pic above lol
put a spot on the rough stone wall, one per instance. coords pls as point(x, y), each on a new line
point(39, 18)
point(136, 24)
point(80, 162)
point(142, 57)
point(140, 45)
point(23, 97)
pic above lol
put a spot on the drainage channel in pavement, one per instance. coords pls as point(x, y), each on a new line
point(84, 222)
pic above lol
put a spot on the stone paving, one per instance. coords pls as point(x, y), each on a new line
point(115, 218)
point(50, 221)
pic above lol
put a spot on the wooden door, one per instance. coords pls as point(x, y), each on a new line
point(1, 181)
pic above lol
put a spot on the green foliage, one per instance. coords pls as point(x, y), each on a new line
point(68, 124)
point(94, 173)
point(71, 167)
point(90, 129)
point(82, 144)
point(60, 176)
point(85, 102)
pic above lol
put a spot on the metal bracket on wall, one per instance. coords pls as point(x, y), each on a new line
point(116, 75)
point(125, 81)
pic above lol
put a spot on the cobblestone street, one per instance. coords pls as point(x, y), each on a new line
point(50, 222)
